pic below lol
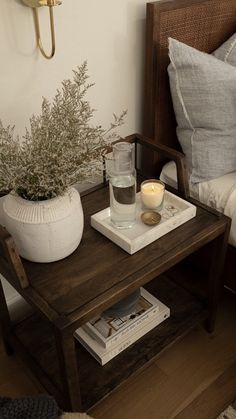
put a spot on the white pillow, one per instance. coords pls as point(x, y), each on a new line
point(203, 91)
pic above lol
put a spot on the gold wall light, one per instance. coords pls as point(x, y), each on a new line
point(38, 3)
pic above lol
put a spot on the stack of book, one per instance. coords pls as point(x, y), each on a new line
point(105, 337)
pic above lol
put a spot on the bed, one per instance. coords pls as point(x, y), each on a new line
point(204, 25)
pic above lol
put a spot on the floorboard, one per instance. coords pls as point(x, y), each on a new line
point(211, 400)
point(197, 373)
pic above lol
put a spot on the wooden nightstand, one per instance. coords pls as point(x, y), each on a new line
point(67, 293)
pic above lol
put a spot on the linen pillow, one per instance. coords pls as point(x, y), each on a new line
point(203, 90)
point(227, 51)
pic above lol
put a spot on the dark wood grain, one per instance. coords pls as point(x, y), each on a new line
point(169, 153)
point(66, 287)
point(5, 321)
point(69, 378)
point(97, 381)
point(185, 314)
point(35, 335)
point(215, 282)
point(34, 342)
point(69, 292)
point(10, 260)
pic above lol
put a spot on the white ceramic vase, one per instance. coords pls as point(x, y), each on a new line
point(45, 231)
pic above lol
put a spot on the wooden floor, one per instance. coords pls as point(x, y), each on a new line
point(196, 378)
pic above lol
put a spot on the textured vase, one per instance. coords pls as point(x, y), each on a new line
point(45, 231)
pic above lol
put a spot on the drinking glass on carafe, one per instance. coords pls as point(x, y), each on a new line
point(122, 185)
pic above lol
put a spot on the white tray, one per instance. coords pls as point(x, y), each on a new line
point(140, 235)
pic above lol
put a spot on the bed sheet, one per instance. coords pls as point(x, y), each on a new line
point(217, 193)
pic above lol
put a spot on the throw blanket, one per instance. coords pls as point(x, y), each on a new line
point(40, 407)
point(221, 194)
point(230, 210)
point(217, 193)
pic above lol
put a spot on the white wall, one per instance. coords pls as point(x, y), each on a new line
point(109, 34)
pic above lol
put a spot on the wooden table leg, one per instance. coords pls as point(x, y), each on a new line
point(5, 322)
point(215, 282)
point(69, 371)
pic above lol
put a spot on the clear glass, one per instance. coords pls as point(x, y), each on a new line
point(152, 194)
point(123, 200)
point(122, 185)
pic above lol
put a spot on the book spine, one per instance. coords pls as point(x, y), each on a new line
point(103, 359)
point(124, 333)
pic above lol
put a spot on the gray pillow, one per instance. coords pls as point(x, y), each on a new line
point(203, 91)
point(227, 51)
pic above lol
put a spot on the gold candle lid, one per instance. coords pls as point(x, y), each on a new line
point(150, 218)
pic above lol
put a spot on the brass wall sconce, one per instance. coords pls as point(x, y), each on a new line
point(38, 3)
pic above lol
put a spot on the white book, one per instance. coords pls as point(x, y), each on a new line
point(103, 355)
point(111, 330)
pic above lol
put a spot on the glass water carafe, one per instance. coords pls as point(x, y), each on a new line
point(122, 185)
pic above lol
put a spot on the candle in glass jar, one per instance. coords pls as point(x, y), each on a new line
point(152, 193)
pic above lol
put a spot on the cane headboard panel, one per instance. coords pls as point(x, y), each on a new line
point(202, 24)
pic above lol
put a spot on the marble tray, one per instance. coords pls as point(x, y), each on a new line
point(175, 211)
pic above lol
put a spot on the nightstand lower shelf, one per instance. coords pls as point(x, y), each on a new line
point(97, 381)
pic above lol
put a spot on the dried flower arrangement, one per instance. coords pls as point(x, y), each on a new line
point(60, 149)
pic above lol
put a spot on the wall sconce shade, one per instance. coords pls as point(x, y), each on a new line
point(34, 4)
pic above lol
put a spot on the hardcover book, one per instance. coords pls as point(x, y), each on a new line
point(104, 355)
point(110, 330)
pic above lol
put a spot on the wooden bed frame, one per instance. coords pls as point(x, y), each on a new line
point(202, 24)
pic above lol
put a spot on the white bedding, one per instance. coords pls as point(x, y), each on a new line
point(218, 193)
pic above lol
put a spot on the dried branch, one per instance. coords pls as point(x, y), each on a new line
point(61, 148)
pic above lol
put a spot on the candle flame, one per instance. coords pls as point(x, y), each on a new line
point(153, 188)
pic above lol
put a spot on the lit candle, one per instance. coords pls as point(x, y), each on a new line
point(152, 193)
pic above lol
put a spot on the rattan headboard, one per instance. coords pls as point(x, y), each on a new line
point(202, 24)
